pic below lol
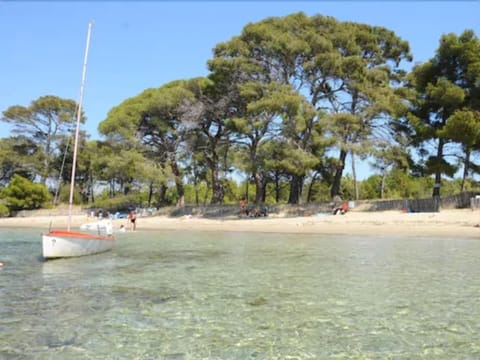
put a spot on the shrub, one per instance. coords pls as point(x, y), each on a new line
point(22, 194)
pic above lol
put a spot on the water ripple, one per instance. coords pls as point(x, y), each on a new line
point(188, 295)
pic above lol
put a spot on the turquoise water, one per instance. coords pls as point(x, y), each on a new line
point(182, 295)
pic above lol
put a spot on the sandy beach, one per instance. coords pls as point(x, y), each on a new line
point(446, 223)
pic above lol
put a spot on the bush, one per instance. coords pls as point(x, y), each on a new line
point(22, 194)
point(4, 210)
point(118, 202)
point(64, 195)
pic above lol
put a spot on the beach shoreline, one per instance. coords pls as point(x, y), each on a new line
point(446, 223)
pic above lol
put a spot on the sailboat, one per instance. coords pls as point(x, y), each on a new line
point(67, 243)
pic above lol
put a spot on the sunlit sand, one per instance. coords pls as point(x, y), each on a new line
point(446, 223)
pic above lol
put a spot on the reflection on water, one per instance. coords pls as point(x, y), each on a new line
point(170, 295)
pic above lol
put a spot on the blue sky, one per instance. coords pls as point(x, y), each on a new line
point(138, 45)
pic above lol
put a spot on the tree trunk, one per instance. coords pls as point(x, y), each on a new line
point(466, 168)
point(338, 175)
point(150, 193)
point(178, 183)
point(161, 196)
point(438, 172)
point(264, 189)
point(259, 193)
point(296, 185)
point(217, 188)
point(217, 193)
point(310, 188)
point(112, 188)
point(382, 185)
point(46, 164)
point(91, 188)
point(277, 188)
point(197, 195)
point(354, 174)
point(205, 199)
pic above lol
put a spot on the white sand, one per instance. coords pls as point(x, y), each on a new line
point(447, 223)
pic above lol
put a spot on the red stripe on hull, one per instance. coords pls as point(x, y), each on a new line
point(74, 234)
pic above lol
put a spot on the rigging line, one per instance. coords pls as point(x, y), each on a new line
point(57, 190)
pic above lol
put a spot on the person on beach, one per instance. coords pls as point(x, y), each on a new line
point(132, 217)
point(243, 206)
point(343, 209)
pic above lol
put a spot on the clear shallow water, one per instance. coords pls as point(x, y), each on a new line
point(180, 295)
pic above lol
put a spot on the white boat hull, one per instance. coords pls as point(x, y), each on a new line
point(62, 243)
point(101, 227)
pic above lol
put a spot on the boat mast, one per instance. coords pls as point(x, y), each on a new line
point(77, 129)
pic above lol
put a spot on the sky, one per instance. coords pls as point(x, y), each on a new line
point(138, 45)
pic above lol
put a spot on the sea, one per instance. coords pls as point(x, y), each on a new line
point(230, 295)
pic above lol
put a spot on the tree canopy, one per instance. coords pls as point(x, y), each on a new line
point(45, 122)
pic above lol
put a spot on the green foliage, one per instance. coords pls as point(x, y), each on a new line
point(104, 201)
point(64, 195)
point(446, 91)
point(320, 192)
point(370, 187)
point(398, 185)
point(193, 192)
point(22, 194)
point(151, 130)
point(345, 68)
point(463, 127)
point(435, 165)
point(347, 191)
point(171, 196)
point(19, 155)
point(454, 186)
point(4, 210)
point(232, 192)
point(45, 122)
point(284, 189)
